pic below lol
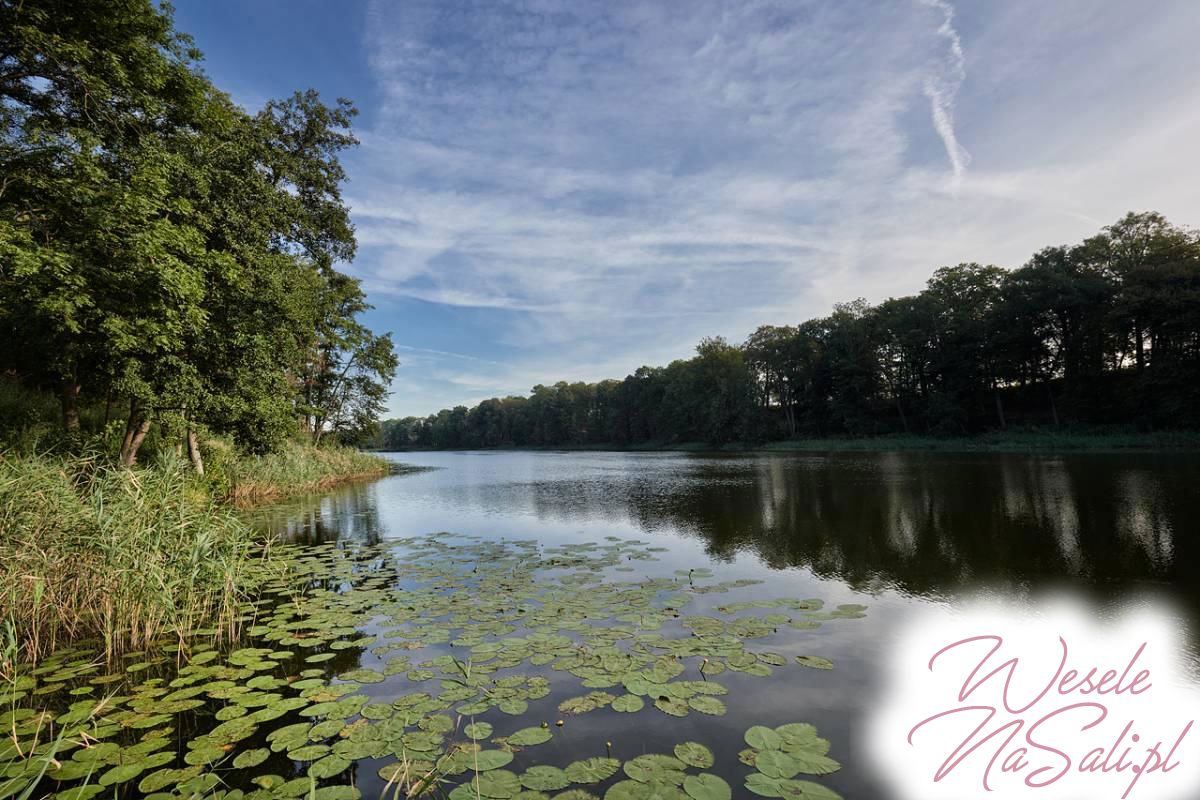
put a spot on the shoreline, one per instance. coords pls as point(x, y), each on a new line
point(1031, 442)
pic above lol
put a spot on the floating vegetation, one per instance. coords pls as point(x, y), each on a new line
point(379, 662)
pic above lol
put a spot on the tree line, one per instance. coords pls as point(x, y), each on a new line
point(166, 253)
point(1104, 332)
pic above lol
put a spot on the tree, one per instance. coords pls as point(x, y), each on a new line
point(345, 380)
point(160, 245)
point(977, 343)
point(93, 100)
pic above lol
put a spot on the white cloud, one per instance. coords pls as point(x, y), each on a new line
point(941, 87)
point(612, 181)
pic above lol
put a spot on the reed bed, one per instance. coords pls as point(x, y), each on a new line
point(125, 557)
point(295, 469)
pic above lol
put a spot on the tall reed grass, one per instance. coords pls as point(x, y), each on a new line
point(123, 556)
point(295, 469)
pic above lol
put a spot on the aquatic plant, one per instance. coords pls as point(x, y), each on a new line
point(122, 556)
point(294, 469)
point(452, 630)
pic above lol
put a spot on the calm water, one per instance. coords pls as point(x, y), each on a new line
point(892, 531)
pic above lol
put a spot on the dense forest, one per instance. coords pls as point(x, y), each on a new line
point(167, 258)
point(1105, 332)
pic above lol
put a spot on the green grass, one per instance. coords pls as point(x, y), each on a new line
point(296, 469)
point(130, 557)
point(125, 557)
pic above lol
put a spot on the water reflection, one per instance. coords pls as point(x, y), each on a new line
point(922, 523)
point(904, 527)
point(350, 514)
point(929, 523)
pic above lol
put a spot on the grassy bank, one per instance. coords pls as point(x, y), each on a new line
point(297, 469)
point(125, 557)
point(130, 557)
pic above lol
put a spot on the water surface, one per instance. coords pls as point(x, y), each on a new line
point(893, 531)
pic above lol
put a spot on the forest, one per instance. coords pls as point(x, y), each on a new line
point(1104, 333)
point(168, 259)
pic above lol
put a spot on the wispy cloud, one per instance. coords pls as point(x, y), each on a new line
point(942, 86)
point(443, 353)
point(598, 185)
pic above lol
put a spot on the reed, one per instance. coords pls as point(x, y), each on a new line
point(294, 470)
point(126, 557)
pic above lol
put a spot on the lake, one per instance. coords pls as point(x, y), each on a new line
point(890, 531)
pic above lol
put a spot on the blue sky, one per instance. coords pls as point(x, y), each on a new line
point(569, 189)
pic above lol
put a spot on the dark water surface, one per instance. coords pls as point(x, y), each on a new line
point(892, 531)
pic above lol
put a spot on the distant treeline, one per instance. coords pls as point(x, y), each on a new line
point(1106, 332)
point(166, 255)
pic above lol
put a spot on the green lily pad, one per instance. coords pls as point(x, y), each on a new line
point(814, 662)
point(776, 764)
point(497, 784)
point(655, 768)
point(761, 737)
point(676, 708)
point(694, 754)
point(486, 760)
point(328, 766)
point(251, 758)
point(545, 778)
point(633, 790)
point(84, 792)
point(478, 730)
point(122, 773)
point(527, 737)
point(628, 703)
point(707, 786)
point(707, 705)
point(763, 786)
point(592, 770)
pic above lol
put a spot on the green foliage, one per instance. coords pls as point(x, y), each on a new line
point(1106, 332)
point(164, 249)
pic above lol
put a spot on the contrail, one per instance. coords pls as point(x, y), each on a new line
point(943, 86)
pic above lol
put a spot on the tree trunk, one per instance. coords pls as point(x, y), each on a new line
point(108, 400)
point(193, 446)
point(130, 425)
point(903, 417)
point(135, 433)
point(999, 409)
point(68, 398)
point(1053, 405)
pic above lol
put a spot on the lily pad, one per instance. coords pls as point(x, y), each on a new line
point(761, 737)
point(707, 705)
point(498, 784)
point(545, 778)
point(478, 730)
point(633, 790)
point(628, 703)
point(486, 760)
point(592, 770)
point(814, 662)
point(707, 786)
point(527, 737)
point(694, 754)
point(251, 758)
